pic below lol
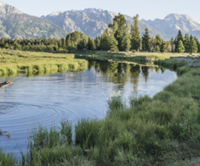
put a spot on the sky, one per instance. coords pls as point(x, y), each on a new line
point(147, 9)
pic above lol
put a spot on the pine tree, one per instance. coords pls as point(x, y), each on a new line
point(105, 41)
point(157, 48)
point(113, 44)
point(198, 44)
point(97, 42)
point(68, 41)
point(158, 40)
point(172, 44)
point(178, 38)
point(135, 34)
point(91, 44)
point(119, 22)
point(162, 46)
point(145, 40)
point(126, 43)
point(63, 43)
point(7, 46)
point(186, 43)
point(180, 47)
point(193, 45)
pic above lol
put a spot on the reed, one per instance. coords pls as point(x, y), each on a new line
point(8, 159)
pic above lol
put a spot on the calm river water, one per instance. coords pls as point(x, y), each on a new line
point(48, 100)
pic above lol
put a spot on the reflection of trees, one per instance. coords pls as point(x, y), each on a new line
point(157, 69)
point(162, 70)
point(119, 73)
point(90, 64)
point(145, 72)
point(135, 74)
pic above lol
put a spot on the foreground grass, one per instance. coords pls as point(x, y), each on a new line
point(33, 63)
point(163, 130)
point(159, 131)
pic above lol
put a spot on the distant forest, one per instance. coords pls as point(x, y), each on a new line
point(119, 36)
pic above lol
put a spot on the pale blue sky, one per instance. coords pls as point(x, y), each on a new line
point(147, 9)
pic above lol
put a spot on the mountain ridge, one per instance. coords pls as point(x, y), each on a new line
point(16, 24)
point(174, 22)
point(92, 21)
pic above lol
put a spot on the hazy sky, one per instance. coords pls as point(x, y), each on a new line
point(147, 9)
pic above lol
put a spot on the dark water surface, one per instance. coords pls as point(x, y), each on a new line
point(47, 100)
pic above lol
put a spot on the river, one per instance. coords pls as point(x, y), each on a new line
point(47, 100)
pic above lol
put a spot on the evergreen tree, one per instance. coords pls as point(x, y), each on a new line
point(119, 22)
point(172, 44)
point(180, 47)
point(158, 40)
point(91, 44)
point(97, 42)
point(126, 43)
point(7, 46)
point(68, 41)
point(135, 34)
point(105, 41)
point(178, 38)
point(63, 43)
point(186, 43)
point(193, 45)
point(198, 44)
point(113, 44)
point(82, 44)
point(145, 40)
point(157, 48)
point(162, 46)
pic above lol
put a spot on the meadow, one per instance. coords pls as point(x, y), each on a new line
point(34, 63)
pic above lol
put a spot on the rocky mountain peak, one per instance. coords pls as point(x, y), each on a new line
point(1, 4)
point(177, 17)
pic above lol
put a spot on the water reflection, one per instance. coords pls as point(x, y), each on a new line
point(47, 100)
point(120, 73)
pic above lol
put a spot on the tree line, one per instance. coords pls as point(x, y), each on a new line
point(119, 36)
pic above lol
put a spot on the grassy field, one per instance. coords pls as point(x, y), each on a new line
point(163, 130)
point(34, 63)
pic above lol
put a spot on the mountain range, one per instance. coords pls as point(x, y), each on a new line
point(16, 24)
point(93, 21)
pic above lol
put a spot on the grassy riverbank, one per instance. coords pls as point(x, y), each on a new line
point(163, 130)
point(140, 58)
point(33, 63)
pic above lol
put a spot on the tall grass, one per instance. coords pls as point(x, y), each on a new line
point(7, 159)
point(33, 63)
point(163, 130)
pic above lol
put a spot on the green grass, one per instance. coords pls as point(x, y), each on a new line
point(34, 63)
point(7, 159)
point(163, 130)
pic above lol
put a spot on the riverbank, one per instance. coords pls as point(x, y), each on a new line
point(141, 58)
point(163, 130)
point(34, 63)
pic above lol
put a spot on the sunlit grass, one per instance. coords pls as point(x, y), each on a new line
point(34, 62)
point(163, 130)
